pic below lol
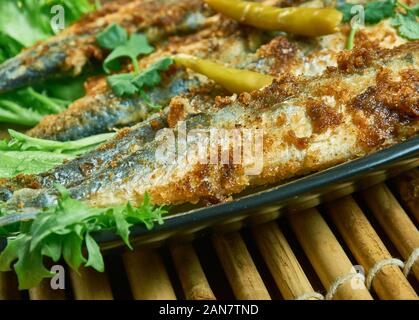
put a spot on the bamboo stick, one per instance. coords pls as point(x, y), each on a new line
point(281, 261)
point(368, 249)
point(8, 286)
point(326, 254)
point(239, 267)
point(44, 292)
point(394, 220)
point(148, 276)
point(194, 282)
point(408, 187)
point(90, 285)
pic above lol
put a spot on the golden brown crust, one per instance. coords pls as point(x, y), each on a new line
point(390, 104)
point(311, 124)
point(322, 116)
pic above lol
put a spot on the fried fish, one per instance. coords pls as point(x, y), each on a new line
point(70, 51)
point(368, 102)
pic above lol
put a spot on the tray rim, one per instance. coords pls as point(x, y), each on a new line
point(337, 174)
point(341, 173)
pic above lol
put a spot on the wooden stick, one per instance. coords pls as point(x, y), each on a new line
point(326, 254)
point(408, 187)
point(45, 292)
point(148, 276)
point(368, 249)
point(90, 285)
point(239, 267)
point(281, 261)
point(8, 286)
point(394, 220)
point(194, 282)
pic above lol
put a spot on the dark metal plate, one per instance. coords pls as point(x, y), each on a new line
point(268, 204)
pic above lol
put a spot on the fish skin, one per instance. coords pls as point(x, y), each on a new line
point(224, 41)
point(71, 173)
point(70, 51)
point(101, 111)
point(104, 112)
point(368, 103)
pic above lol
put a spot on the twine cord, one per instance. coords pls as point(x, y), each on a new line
point(333, 288)
point(406, 266)
point(310, 295)
point(340, 281)
point(379, 265)
point(410, 262)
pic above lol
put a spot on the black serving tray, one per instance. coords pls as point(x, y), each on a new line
point(266, 205)
point(261, 206)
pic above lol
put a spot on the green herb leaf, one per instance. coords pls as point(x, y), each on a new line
point(95, 259)
point(27, 21)
point(24, 154)
point(346, 10)
point(112, 37)
point(62, 230)
point(12, 251)
point(13, 163)
point(22, 23)
point(23, 142)
point(28, 106)
point(351, 39)
point(9, 47)
point(121, 84)
point(375, 11)
point(407, 25)
point(12, 112)
point(52, 247)
point(122, 225)
point(129, 84)
point(135, 46)
point(72, 251)
point(378, 10)
point(150, 77)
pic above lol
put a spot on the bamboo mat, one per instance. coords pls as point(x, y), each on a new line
point(305, 255)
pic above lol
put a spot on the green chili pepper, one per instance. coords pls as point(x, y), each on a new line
point(310, 22)
point(234, 80)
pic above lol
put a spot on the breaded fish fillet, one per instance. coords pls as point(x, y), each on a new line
point(223, 41)
point(369, 102)
point(69, 52)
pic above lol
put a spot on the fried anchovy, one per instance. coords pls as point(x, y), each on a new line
point(101, 111)
point(70, 51)
point(80, 121)
point(369, 102)
point(223, 41)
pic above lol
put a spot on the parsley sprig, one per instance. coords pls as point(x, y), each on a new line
point(62, 231)
point(406, 22)
point(116, 38)
point(132, 83)
point(28, 155)
point(375, 11)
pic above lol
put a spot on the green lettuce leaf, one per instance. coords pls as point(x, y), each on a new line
point(28, 155)
point(63, 230)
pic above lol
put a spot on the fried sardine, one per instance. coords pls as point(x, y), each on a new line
point(368, 102)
